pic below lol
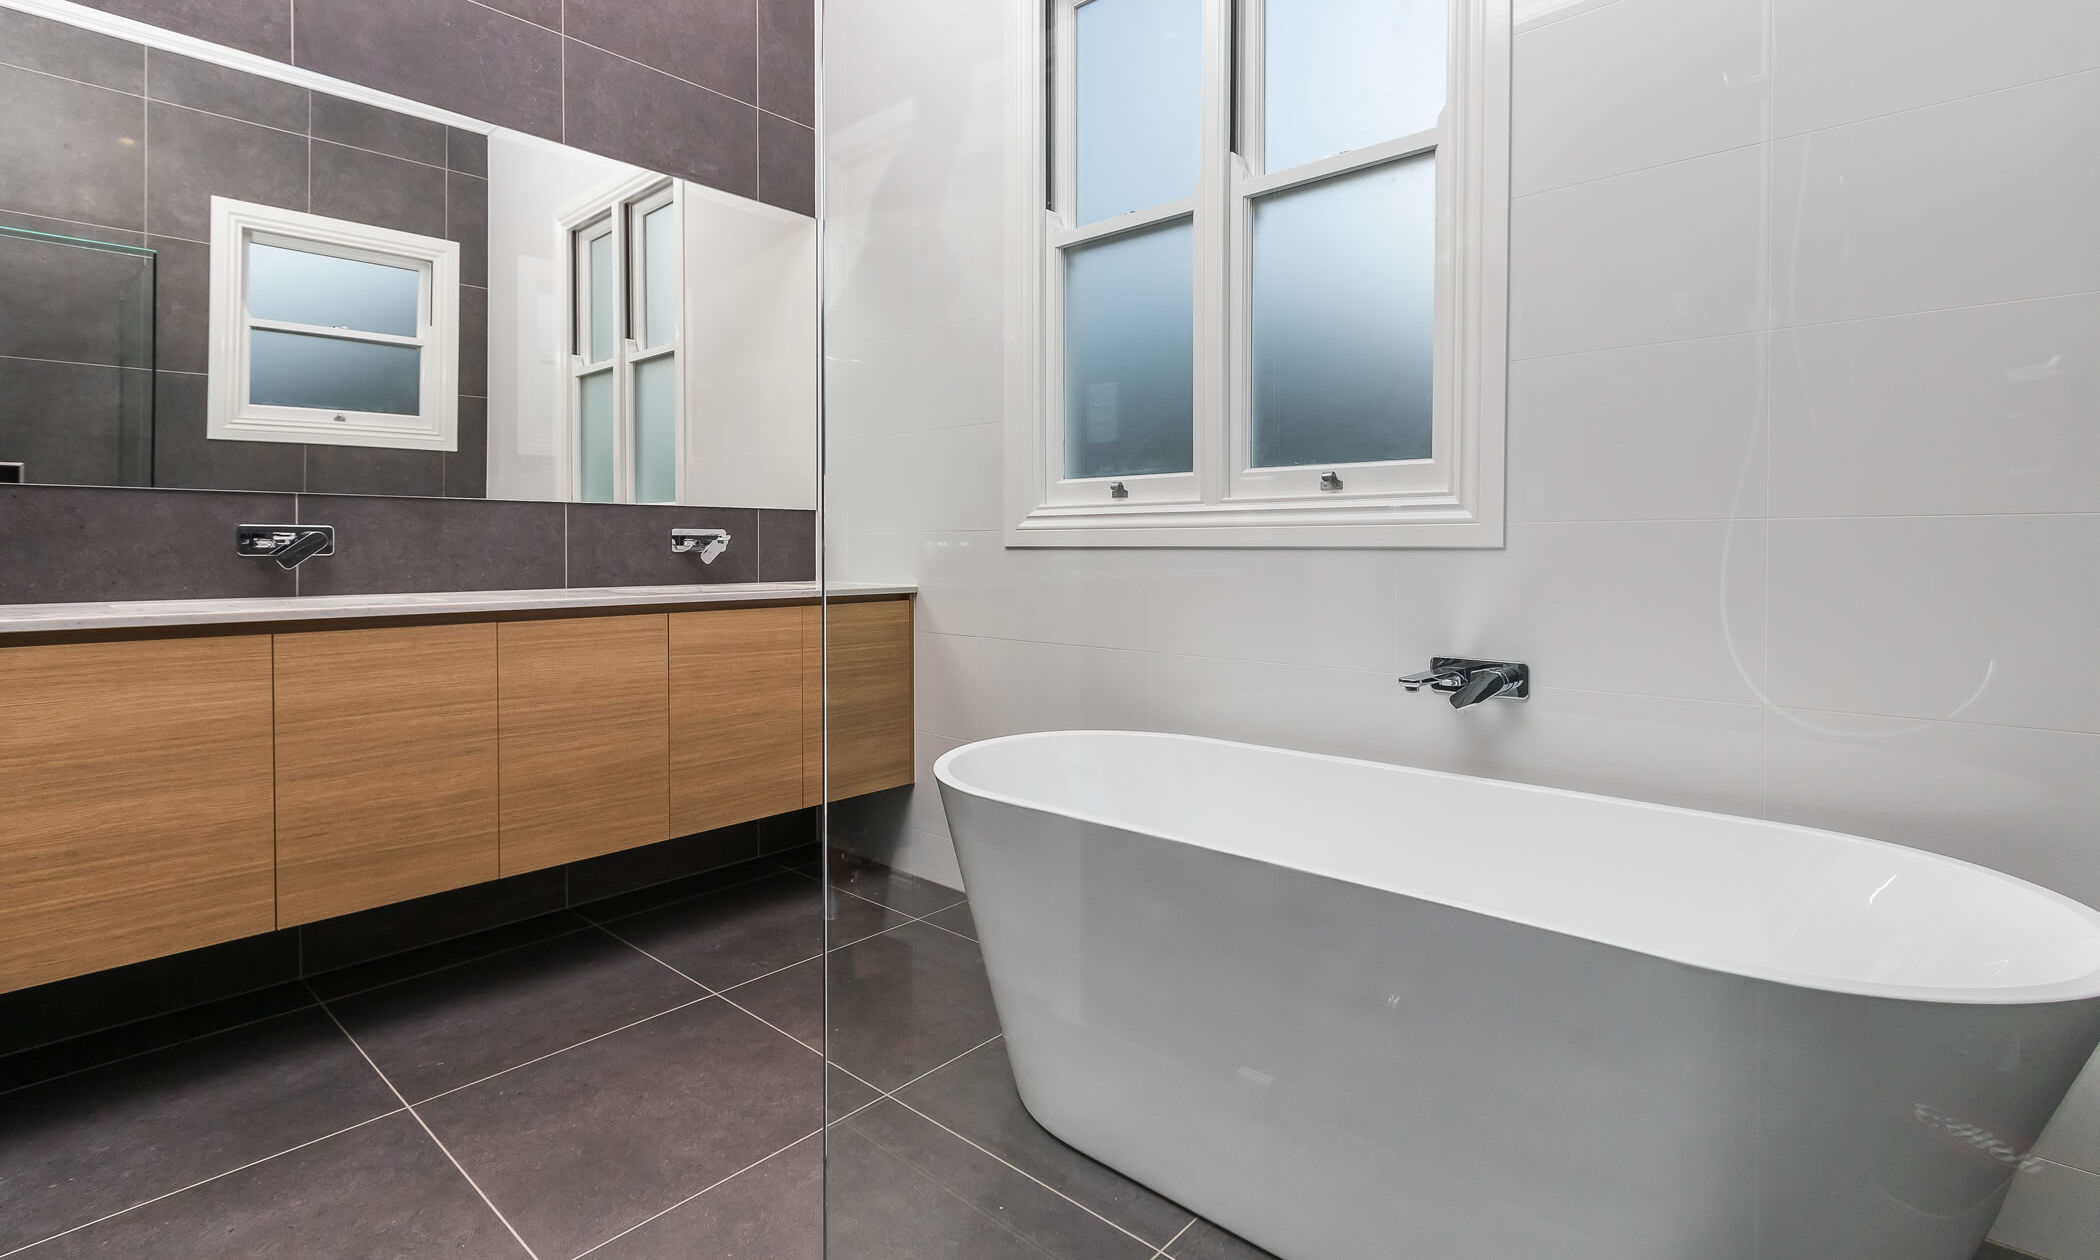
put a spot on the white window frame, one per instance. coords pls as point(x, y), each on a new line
point(231, 417)
point(621, 208)
point(1452, 499)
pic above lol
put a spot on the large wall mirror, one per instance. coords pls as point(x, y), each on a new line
point(222, 276)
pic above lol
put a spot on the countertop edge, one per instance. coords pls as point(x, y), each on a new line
point(19, 619)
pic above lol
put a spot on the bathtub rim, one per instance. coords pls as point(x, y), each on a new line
point(2077, 989)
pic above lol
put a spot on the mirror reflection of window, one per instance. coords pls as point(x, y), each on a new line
point(626, 283)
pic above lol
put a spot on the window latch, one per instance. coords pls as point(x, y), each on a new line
point(1329, 482)
point(1117, 490)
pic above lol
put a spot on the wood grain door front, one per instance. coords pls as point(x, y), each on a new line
point(736, 715)
point(386, 766)
point(137, 821)
point(585, 738)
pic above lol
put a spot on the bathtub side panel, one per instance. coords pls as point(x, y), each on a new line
point(1332, 1071)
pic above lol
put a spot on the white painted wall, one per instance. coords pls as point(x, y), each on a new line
point(1804, 461)
point(751, 332)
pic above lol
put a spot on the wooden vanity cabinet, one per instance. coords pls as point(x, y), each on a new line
point(736, 715)
point(138, 814)
point(871, 724)
point(585, 738)
point(386, 766)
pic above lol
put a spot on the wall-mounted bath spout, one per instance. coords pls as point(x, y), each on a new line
point(1468, 682)
point(716, 541)
point(289, 545)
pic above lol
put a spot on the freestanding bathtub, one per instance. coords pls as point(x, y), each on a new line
point(1354, 1011)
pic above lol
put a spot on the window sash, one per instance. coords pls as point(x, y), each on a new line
point(1453, 498)
point(231, 414)
point(617, 214)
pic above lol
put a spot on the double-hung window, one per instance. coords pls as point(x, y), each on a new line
point(622, 380)
point(1270, 303)
point(331, 332)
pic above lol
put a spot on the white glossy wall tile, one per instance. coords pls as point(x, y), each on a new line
point(1804, 476)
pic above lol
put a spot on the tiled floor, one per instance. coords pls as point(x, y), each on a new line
point(638, 1080)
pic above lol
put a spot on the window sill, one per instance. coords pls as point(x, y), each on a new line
point(1369, 524)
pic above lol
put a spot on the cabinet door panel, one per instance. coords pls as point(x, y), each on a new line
point(870, 685)
point(585, 738)
point(736, 716)
point(386, 766)
point(138, 812)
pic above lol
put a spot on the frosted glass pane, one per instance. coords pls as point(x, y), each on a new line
point(660, 278)
point(595, 420)
point(298, 370)
point(1344, 295)
point(301, 288)
point(1130, 354)
point(1344, 74)
point(602, 298)
point(1140, 102)
point(655, 430)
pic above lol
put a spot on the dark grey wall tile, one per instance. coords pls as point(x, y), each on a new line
point(713, 43)
point(216, 89)
point(473, 340)
point(373, 470)
point(120, 995)
point(466, 151)
point(467, 469)
point(450, 53)
point(625, 544)
point(372, 188)
point(184, 457)
point(626, 871)
point(380, 130)
point(787, 545)
point(64, 421)
point(36, 43)
point(75, 303)
point(62, 544)
point(630, 112)
point(192, 156)
point(467, 221)
point(787, 164)
point(368, 934)
point(433, 545)
point(82, 161)
point(182, 304)
point(257, 26)
point(787, 56)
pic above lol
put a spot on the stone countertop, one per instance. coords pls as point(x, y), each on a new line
point(59, 618)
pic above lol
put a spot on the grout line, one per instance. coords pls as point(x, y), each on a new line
point(1161, 1254)
point(115, 367)
point(432, 1133)
point(670, 1010)
point(205, 1182)
point(816, 1133)
point(717, 993)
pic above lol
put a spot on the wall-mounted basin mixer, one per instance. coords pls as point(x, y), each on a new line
point(1468, 682)
point(289, 545)
point(708, 542)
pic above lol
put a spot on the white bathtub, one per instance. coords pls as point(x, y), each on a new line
point(1353, 1011)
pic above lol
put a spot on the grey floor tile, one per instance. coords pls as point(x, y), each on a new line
point(83, 1146)
point(898, 1186)
point(746, 931)
point(956, 919)
point(975, 1097)
point(791, 999)
point(586, 1144)
point(864, 877)
point(905, 1002)
point(846, 1094)
point(377, 1192)
point(772, 1212)
point(1205, 1241)
point(440, 1031)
